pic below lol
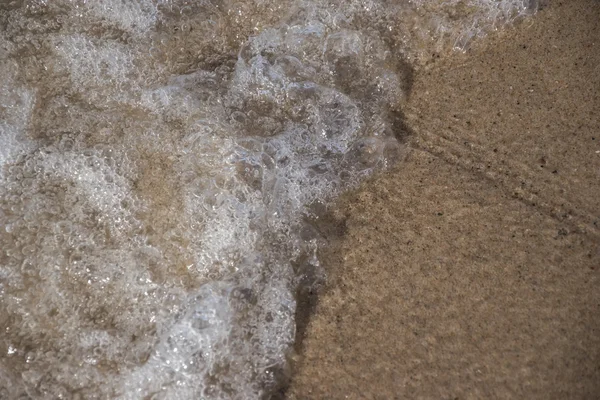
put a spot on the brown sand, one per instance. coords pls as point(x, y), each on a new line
point(472, 270)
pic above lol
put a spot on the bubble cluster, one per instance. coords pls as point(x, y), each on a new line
point(159, 160)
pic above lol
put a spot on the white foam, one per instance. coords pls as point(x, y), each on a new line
point(132, 17)
point(101, 68)
point(16, 104)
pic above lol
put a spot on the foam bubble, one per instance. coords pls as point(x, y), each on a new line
point(16, 104)
point(131, 17)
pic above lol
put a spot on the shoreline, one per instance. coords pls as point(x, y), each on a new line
point(469, 269)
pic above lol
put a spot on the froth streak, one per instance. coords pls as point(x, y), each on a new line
point(159, 159)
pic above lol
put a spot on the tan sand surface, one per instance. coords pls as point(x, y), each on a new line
point(472, 270)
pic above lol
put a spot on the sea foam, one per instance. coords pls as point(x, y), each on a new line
point(160, 163)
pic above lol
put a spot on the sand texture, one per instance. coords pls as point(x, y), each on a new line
point(472, 270)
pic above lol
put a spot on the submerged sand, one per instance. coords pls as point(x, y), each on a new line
point(472, 270)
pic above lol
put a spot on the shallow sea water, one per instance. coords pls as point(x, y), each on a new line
point(160, 163)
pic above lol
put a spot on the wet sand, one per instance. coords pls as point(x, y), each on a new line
point(472, 269)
